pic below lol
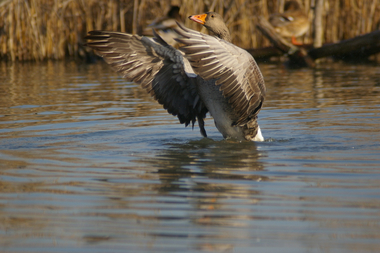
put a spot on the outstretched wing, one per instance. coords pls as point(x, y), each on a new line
point(157, 67)
point(234, 69)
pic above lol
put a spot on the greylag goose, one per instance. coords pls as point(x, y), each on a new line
point(292, 23)
point(209, 74)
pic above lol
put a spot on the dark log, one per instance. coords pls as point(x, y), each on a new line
point(356, 48)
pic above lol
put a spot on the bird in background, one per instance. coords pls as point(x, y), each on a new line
point(292, 23)
point(165, 26)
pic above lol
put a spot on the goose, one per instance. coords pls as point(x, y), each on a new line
point(292, 23)
point(207, 74)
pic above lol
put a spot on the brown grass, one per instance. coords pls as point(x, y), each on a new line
point(45, 29)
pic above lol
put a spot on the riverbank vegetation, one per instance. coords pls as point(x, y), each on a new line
point(45, 29)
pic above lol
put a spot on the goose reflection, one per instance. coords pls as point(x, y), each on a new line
point(216, 180)
point(209, 169)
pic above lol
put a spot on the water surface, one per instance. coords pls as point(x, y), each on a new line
point(90, 163)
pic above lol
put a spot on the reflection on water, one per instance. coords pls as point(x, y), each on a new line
point(91, 163)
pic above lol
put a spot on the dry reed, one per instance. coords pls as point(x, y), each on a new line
point(45, 29)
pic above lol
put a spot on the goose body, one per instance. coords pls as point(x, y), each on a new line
point(208, 74)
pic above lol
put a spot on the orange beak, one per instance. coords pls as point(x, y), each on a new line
point(201, 18)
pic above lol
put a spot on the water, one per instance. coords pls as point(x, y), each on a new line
point(90, 163)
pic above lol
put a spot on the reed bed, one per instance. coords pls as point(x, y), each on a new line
point(45, 29)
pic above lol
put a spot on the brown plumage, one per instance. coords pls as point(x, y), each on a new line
point(165, 26)
point(292, 23)
point(168, 21)
point(210, 74)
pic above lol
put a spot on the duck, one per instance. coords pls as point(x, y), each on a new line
point(169, 20)
point(292, 23)
point(207, 74)
point(165, 26)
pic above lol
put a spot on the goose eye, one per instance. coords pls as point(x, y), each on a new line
point(212, 16)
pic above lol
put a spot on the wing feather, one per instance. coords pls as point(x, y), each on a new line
point(159, 68)
point(234, 69)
